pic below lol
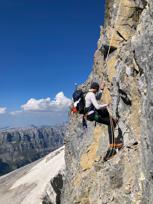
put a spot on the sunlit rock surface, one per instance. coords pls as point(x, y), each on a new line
point(128, 73)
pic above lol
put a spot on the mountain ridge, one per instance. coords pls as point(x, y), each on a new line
point(20, 146)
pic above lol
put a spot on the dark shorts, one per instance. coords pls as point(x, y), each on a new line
point(100, 116)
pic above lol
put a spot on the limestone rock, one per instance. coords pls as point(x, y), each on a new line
point(128, 72)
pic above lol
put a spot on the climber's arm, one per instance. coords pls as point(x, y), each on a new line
point(99, 95)
point(95, 103)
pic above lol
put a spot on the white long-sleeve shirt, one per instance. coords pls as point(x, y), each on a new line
point(90, 99)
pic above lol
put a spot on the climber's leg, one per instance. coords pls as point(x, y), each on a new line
point(103, 116)
point(111, 135)
point(91, 117)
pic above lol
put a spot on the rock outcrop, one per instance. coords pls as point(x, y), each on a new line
point(128, 73)
point(37, 183)
point(19, 147)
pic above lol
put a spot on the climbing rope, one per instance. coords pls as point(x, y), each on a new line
point(117, 16)
point(111, 121)
point(112, 138)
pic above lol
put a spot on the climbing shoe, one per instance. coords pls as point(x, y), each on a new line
point(109, 154)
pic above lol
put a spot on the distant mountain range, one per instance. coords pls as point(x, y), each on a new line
point(20, 146)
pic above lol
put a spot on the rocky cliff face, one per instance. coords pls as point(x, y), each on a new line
point(128, 72)
point(22, 146)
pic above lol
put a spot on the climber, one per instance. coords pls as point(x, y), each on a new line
point(99, 113)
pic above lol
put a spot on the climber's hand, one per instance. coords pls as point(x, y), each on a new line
point(102, 85)
point(109, 105)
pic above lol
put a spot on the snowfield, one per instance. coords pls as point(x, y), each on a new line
point(29, 184)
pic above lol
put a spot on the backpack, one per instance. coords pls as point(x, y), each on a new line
point(79, 102)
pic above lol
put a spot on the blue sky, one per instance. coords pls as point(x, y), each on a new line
point(46, 46)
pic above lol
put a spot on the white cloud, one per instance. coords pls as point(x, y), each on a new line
point(45, 111)
point(2, 110)
point(60, 103)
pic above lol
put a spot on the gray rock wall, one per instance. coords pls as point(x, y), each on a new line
point(143, 46)
point(128, 71)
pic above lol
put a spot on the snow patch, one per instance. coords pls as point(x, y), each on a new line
point(40, 175)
